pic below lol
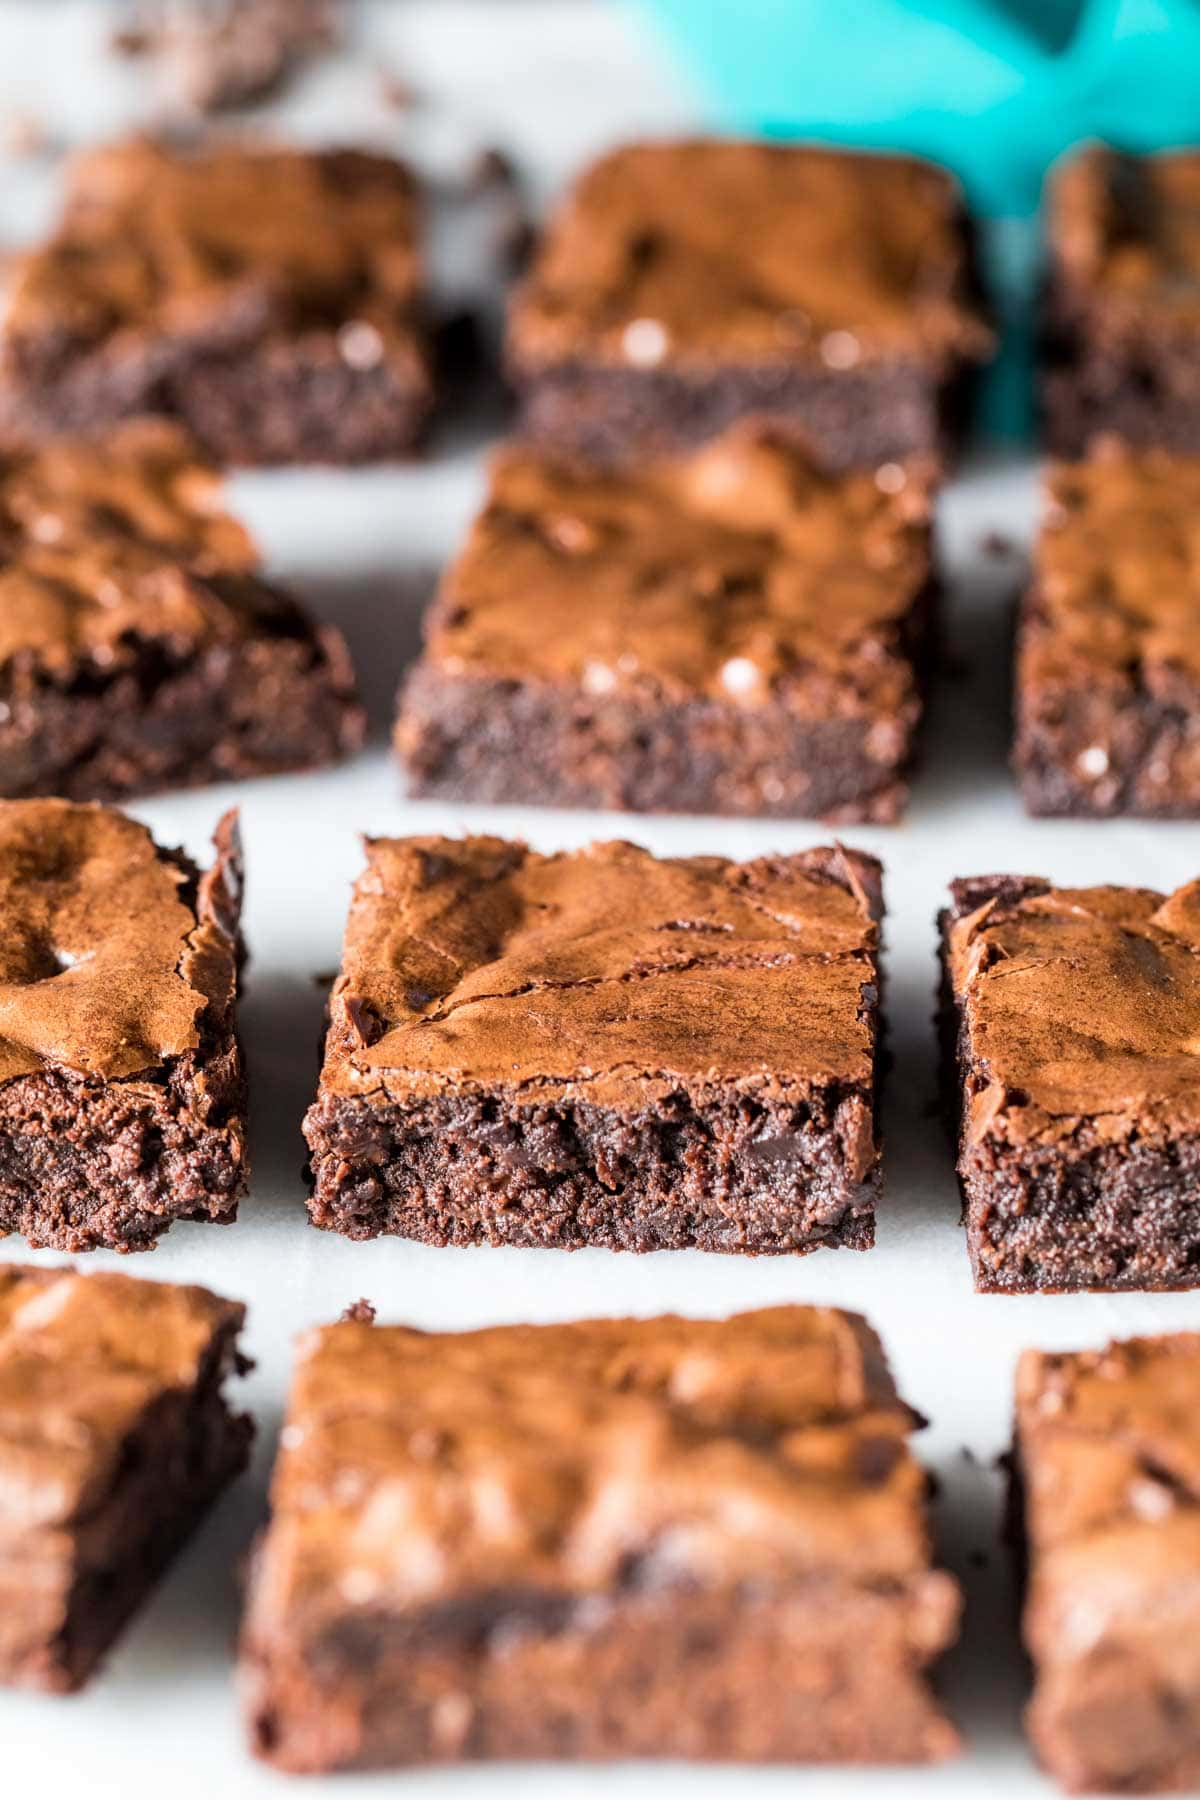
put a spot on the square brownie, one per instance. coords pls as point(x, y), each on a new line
point(1122, 309)
point(1108, 650)
point(115, 1438)
point(1071, 1024)
point(1108, 1470)
point(682, 286)
point(269, 298)
point(599, 1047)
point(122, 1088)
point(730, 631)
point(622, 1537)
point(139, 648)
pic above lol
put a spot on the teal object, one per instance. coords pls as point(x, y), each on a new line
point(994, 89)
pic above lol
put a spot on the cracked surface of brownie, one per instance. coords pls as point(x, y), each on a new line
point(600, 1047)
point(664, 1537)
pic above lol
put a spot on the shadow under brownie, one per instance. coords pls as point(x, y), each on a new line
point(1071, 1032)
point(602, 1048)
point(658, 1537)
point(115, 1438)
point(733, 631)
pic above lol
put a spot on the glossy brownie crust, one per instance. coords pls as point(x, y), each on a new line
point(1108, 652)
point(122, 1087)
point(115, 1438)
point(600, 1048)
point(1070, 1020)
point(1107, 1461)
point(269, 299)
point(733, 632)
point(684, 286)
point(1121, 327)
point(704, 1539)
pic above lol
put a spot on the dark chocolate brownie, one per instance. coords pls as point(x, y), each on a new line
point(732, 631)
point(1072, 1034)
point(598, 1047)
point(682, 286)
point(1122, 313)
point(268, 298)
point(122, 1091)
point(653, 1537)
point(115, 1438)
point(1108, 1466)
point(1108, 657)
point(138, 647)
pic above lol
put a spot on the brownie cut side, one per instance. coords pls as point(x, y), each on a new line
point(115, 1438)
point(682, 287)
point(1108, 656)
point(1071, 1027)
point(602, 1048)
point(701, 1539)
point(122, 1084)
point(734, 631)
point(267, 298)
point(1108, 1454)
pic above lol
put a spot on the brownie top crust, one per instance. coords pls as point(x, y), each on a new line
point(711, 251)
point(603, 973)
point(111, 949)
point(1080, 1009)
point(195, 251)
point(1117, 567)
point(732, 572)
point(537, 1461)
point(83, 1359)
point(1124, 231)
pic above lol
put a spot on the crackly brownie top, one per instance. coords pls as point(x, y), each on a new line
point(1117, 584)
point(1125, 232)
point(603, 974)
point(735, 572)
point(109, 543)
point(217, 248)
point(83, 1360)
point(1081, 1009)
point(110, 951)
point(705, 251)
point(566, 1459)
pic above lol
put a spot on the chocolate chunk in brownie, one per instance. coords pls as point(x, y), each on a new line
point(655, 1537)
point(122, 1090)
point(729, 631)
point(269, 298)
point(599, 1047)
point(139, 648)
point(1108, 660)
point(1108, 1468)
point(681, 286)
point(1072, 1035)
point(115, 1438)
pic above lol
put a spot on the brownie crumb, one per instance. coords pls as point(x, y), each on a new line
point(359, 1312)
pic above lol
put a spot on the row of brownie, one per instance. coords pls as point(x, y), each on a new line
point(614, 1537)
point(600, 1047)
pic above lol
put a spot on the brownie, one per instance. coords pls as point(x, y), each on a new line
point(1071, 1027)
point(621, 1537)
point(598, 1047)
point(139, 647)
point(115, 1438)
point(1108, 659)
point(268, 298)
point(1122, 307)
point(730, 631)
point(682, 286)
point(215, 55)
point(122, 1090)
point(1108, 1460)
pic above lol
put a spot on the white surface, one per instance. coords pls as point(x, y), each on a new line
point(556, 80)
